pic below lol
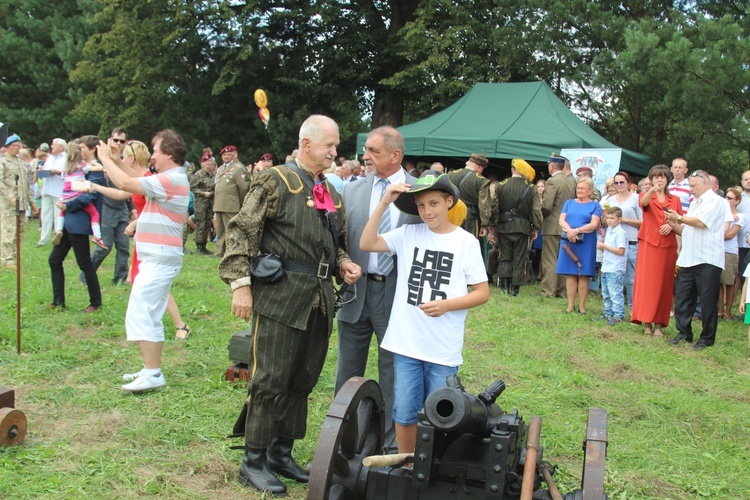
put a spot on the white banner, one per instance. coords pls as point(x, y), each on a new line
point(604, 163)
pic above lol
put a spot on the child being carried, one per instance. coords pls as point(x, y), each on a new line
point(75, 171)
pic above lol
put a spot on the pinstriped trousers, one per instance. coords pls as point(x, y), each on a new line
point(286, 364)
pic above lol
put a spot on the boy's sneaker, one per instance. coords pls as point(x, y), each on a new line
point(129, 377)
point(57, 239)
point(98, 241)
point(145, 383)
point(614, 321)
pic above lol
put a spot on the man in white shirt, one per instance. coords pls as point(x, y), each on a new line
point(52, 189)
point(701, 260)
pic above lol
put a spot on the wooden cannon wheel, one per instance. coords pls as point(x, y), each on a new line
point(12, 427)
point(354, 428)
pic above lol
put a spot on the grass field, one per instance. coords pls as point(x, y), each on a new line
point(679, 421)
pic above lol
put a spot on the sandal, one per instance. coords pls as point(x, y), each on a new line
point(658, 332)
point(182, 333)
point(647, 330)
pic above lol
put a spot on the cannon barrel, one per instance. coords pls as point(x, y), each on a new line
point(451, 409)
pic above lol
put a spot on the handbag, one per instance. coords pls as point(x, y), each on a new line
point(267, 268)
point(564, 235)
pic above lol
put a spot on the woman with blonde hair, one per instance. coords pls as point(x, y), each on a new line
point(580, 217)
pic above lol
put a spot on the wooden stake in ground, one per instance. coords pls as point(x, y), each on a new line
point(18, 265)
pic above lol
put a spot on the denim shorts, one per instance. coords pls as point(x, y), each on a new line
point(413, 381)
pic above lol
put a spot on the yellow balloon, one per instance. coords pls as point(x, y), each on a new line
point(261, 100)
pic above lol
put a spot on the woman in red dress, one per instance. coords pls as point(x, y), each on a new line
point(657, 255)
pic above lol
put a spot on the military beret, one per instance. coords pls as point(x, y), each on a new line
point(11, 139)
point(228, 149)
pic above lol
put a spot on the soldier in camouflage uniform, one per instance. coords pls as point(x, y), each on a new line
point(12, 185)
point(516, 212)
point(292, 212)
point(202, 186)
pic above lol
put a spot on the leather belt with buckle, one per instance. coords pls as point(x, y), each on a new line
point(632, 243)
point(380, 278)
point(322, 270)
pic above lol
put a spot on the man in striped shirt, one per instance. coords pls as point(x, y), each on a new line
point(680, 185)
point(158, 241)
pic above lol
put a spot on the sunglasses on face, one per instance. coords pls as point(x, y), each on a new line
point(121, 141)
point(620, 183)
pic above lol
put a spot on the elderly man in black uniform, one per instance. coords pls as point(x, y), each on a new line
point(294, 214)
point(516, 212)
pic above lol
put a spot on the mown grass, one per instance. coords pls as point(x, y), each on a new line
point(679, 421)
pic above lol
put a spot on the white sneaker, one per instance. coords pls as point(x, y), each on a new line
point(129, 377)
point(145, 383)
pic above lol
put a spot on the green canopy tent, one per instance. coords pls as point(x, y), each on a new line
point(507, 120)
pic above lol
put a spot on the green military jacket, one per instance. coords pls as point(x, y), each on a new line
point(200, 183)
point(279, 217)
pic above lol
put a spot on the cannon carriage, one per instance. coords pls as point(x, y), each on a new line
point(467, 447)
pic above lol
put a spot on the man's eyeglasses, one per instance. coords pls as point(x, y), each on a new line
point(620, 183)
point(121, 141)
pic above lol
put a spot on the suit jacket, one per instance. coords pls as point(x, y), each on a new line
point(357, 208)
point(557, 191)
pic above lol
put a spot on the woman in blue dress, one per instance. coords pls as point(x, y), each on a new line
point(579, 219)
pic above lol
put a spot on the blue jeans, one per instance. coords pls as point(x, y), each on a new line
point(414, 380)
point(614, 301)
point(630, 274)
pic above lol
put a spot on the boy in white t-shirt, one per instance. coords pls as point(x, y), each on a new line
point(437, 260)
point(614, 265)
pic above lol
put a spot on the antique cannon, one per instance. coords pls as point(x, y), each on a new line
point(467, 447)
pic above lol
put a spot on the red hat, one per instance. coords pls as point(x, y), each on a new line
point(228, 149)
point(266, 157)
point(206, 157)
point(584, 169)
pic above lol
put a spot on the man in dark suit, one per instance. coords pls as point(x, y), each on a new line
point(371, 311)
point(291, 212)
point(557, 191)
point(516, 210)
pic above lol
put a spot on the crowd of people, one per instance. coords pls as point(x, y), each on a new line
point(419, 247)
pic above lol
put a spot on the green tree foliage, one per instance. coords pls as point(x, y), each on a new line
point(41, 43)
point(666, 77)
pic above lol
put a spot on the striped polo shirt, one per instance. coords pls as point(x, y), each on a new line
point(158, 236)
point(682, 190)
